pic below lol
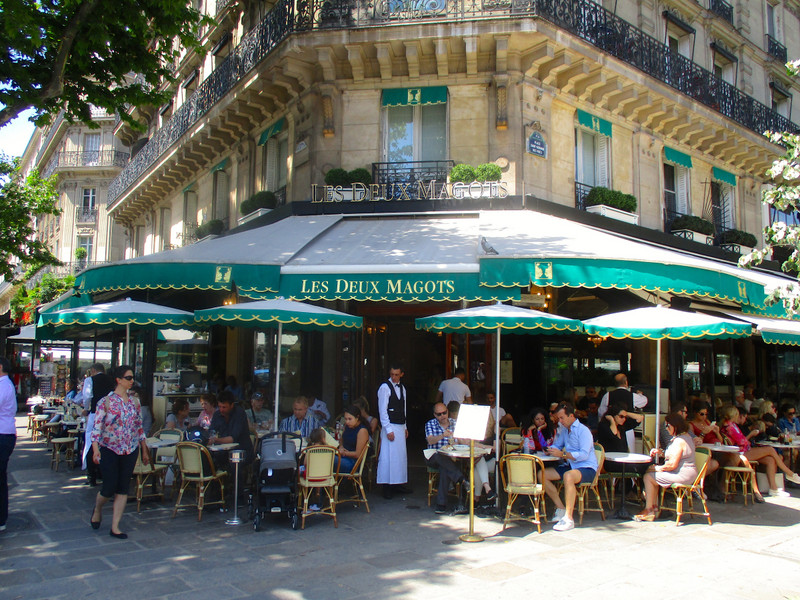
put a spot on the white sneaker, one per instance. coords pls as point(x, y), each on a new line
point(779, 493)
point(794, 478)
point(314, 508)
point(564, 524)
point(559, 514)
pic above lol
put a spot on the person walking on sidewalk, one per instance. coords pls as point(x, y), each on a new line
point(8, 433)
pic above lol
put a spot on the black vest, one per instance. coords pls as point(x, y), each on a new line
point(621, 395)
point(102, 386)
point(397, 405)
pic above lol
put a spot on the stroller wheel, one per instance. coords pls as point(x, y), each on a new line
point(295, 521)
point(257, 522)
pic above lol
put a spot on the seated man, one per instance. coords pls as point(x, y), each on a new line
point(574, 444)
point(230, 424)
point(439, 433)
point(300, 420)
point(506, 420)
point(258, 416)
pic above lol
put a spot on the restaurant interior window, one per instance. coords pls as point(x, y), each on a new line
point(415, 133)
point(592, 158)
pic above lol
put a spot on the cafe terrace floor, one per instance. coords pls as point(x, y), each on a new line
point(399, 550)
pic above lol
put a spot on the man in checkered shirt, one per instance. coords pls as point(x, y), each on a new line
point(439, 433)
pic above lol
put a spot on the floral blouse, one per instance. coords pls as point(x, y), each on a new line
point(118, 424)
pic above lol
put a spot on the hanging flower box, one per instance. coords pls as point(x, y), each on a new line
point(614, 213)
point(253, 215)
point(738, 248)
point(694, 236)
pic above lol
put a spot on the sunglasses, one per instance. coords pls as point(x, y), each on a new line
point(703, 413)
point(128, 377)
point(440, 414)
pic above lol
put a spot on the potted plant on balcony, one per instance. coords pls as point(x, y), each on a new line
point(347, 186)
point(256, 205)
point(80, 257)
point(613, 204)
point(693, 228)
point(214, 227)
point(736, 240)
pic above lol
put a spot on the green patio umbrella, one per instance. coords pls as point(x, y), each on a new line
point(125, 313)
point(280, 312)
point(662, 323)
point(499, 318)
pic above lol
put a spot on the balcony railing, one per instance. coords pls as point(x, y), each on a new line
point(722, 9)
point(776, 49)
point(84, 216)
point(409, 174)
point(583, 18)
point(669, 214)
point(581, 191)
point(91, 158)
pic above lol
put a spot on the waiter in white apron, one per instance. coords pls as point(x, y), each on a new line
point(393, 461)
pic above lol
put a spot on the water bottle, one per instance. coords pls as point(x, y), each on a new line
point(526, 445)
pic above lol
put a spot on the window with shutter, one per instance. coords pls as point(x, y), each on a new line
point(682, 190)
point(219, 210)
point(603, 160)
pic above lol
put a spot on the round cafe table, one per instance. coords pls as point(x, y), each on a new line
point(625, 458)
point(721, 448)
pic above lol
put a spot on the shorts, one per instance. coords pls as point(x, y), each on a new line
point(587, 474)
point(117, 470)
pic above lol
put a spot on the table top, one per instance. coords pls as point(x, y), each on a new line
point(154, 442)
point(628, 457)
point(220, 447)
point(780, 444)
point(544, 457)
point(720, 448)
point(460, 452)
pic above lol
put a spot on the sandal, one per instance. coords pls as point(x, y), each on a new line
point(648, 514)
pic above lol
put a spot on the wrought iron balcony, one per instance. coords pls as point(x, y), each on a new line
point(84, 216)
point(91, 158)
point(722, 9)
point(581, 191)
point(585, 19)
point(189, 234)
point(410, 174)
point(776, 49)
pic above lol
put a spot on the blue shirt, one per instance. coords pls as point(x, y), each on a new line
point(291, 424)
point(577, 440)
point(793, 425)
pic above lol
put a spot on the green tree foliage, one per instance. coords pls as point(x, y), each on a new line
point(784, 196)
point(20, 200)
point(26, 300)
point(75, 54)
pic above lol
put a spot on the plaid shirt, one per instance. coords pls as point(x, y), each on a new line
point(433, 427)
point(291, 424)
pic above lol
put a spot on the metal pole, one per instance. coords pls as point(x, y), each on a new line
point(497, 426)
point(277, 376)
point(471, 537)
point(658, 395)
point(235, 458)
point(127, 343)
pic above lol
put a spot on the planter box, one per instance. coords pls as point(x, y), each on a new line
point(614, 213)
point(253, 215)
point(738, 248)
point(210, 236)
point(694, 236)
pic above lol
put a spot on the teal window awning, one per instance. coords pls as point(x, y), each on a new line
point(594, 123)
point(220, 166)
point(271, 131)
point(189, 187)
point(677, 158)
point(723, 176)
point(414, 96)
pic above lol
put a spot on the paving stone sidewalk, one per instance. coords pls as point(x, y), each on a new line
point(401, 549)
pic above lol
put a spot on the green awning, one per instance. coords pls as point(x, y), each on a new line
point(268, 313)
point(251, 280)
point(490, 319)
point(392, 287)
point(723, 176)
point(594, 123)
point(271, 131)
point(220, 166)
point(677, 158)
point(189, 187)
point(414, 96)
point(603, 273)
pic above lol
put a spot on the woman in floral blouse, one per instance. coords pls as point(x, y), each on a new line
point(116, 439)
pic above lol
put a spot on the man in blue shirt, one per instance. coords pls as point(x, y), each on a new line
point(300, 420)
point(439, 433)
point(575, 445)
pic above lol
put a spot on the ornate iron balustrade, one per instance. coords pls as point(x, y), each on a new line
point(85, 215)
point(722, 9)
point(189, 234)
point(91, 158)
point(581, 191)
point(669, 214)
point(258, 42)
point(280, 196)
point(222, 5)
point(410, 174)
point(776, 49)
point(583, 18)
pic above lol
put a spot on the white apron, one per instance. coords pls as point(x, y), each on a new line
point(393, 460)
point(87, 437)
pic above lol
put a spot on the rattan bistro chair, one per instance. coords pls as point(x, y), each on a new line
point(151, 473)
point(585, 488)
point(354, 476)
point(318, 475)
point(197, 468)
point(684, 492)
point(523, 475)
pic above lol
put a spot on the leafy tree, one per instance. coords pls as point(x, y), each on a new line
point(75, 54)
point(26, 300)
point(784, 195)
point(20, 200)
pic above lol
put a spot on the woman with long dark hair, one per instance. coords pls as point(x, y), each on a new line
point(117, 437)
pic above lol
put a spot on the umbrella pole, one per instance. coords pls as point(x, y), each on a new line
point(497, 426)
point(658, 394)
point(127, 343)
point(277, 376)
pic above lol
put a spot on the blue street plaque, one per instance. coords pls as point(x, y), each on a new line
point(536, 145)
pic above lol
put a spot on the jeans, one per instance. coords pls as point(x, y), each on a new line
point(7, 443)
point(448, 473)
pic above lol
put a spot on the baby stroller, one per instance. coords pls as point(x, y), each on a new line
point(276, 479)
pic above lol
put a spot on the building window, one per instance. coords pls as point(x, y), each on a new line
point(219, 207)
point(275, 163)
point(164, 227)
point(592, 162)
point(722, 206)
point(89, 198)
point(679, 35)
point(415, 133)
point(725, 64)
point(91, 149)
point(676, 190)
point(87, 243)
point(138, 240)
point(221, 50)
point(781, 101)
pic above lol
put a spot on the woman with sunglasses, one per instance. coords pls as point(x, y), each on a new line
point(701, 426)
point(117, 438)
